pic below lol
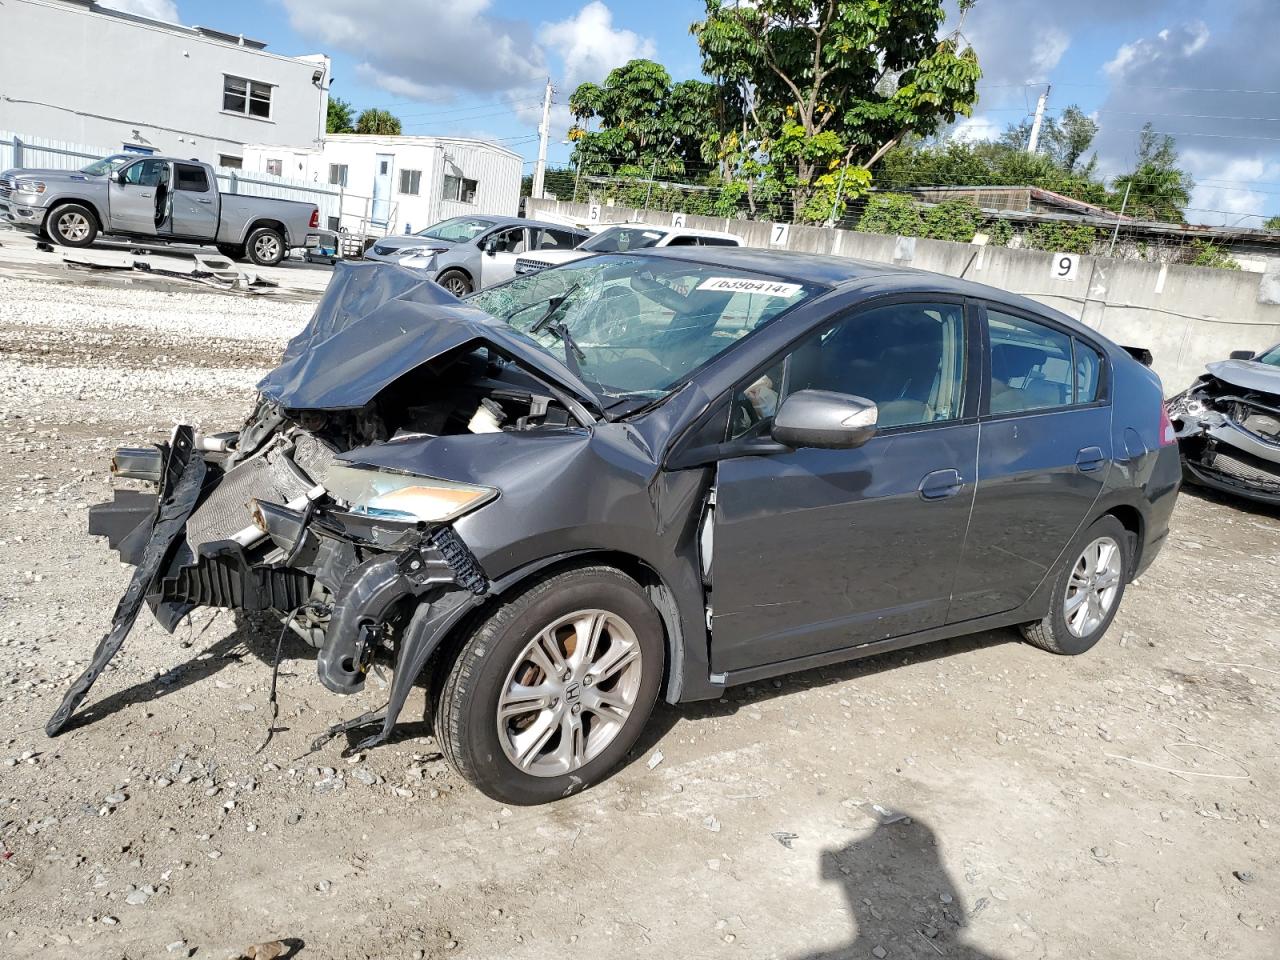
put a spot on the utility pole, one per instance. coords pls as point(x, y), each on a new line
point(544, 131)
point(1034, 139)
point(1111, 251)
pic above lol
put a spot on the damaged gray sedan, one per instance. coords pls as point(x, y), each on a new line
point(1228, 426)
point(659, 473)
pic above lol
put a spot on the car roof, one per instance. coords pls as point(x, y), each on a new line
point(681, 231)
point(872, 278)
point(505, 221)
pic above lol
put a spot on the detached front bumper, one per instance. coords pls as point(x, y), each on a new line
point(348, 583)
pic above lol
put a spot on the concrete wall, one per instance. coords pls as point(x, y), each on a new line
point(1186, 316)
point(72, 73)
point(495, 169)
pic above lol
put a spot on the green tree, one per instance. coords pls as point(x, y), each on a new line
point(1273, 223)
point(378, 122)
point(1158, 189)
point(828, 88)
point(1072, 135)
point(339, 116)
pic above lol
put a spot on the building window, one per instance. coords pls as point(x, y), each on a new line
point(230, 162)
point(338, 174)
point(334, 224)
point(249, 97)
point(460, 189)
point(411, 181)
point(275, 168)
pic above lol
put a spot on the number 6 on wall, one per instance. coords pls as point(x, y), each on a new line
point(1065, 266)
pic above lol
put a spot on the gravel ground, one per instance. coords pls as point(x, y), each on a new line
point(972, 799)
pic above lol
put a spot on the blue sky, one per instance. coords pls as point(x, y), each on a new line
point(475, 67)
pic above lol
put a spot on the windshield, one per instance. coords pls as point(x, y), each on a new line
point(100, 168)
point(456, 229)
point(1271, 356)
point(637, 326)
point(622, 239)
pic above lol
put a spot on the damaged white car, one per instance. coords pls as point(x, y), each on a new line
point(1228, 426)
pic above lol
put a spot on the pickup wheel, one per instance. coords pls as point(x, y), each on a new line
point(232, 251)
point(72, 225)
point(265, 246)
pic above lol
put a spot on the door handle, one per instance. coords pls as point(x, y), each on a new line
point(941, 484)
point(1089, 459)
point(198, 200)
point(145, 196)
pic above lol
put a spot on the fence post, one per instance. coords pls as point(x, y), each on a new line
point(17, 152)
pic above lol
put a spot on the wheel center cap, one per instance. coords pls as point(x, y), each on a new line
point(573, 692)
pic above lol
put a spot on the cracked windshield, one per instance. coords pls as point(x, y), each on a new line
point(635, 327)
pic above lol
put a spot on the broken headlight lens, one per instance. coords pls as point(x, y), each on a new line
point(403, 496)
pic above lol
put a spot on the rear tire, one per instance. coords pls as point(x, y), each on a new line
point(456, 282)
point(1087, 590)
point(265, 246)
point(232, 251)
point(553, 687)
point(72, 225)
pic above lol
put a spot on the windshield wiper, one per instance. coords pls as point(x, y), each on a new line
point(553, 304)
point(573, 355)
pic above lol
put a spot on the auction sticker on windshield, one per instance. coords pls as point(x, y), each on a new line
point(768, 288)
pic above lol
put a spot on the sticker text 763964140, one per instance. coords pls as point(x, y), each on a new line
point(768, 288)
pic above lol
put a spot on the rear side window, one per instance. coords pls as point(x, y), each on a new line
point(719, 242)
point(555, 240)
point(1088, 372)
point(1031, 365)
point(192, 178)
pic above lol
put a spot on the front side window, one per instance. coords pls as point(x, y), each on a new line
point(456, 229)
point(1031, 365)
point(507, 241)
point(338, 174)
point(249, 97)
point(907, 358)
point(634, 328)
point(410, 181)
point(148, 173)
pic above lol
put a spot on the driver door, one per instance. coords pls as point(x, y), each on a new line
point(500, 264)
point(817, 550)
point(132, 203)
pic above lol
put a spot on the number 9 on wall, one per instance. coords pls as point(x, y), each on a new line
point(1065, 266)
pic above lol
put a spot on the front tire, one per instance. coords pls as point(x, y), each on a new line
point(456, 282)
point(553, 688)
point(232, 251)
point(265, 246)
point(1087, 590)
point(72, 225)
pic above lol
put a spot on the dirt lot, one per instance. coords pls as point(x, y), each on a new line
point(1118, 805)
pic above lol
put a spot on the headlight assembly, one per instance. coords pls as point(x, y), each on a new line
point(29, 186)
point(402, 496)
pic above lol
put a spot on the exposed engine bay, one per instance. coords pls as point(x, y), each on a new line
point(285, 515)
point(1228, 430)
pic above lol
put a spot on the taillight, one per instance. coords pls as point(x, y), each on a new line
point(1167, 435)
point(315, 217)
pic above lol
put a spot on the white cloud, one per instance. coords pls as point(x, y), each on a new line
point(589, 46)
point(1169, 44)
point(1050, 45)
point(976, 128)
point(165, 10)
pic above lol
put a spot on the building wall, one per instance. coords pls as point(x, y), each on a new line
point(72, 73)
point(496, 170)
point(1186, 316)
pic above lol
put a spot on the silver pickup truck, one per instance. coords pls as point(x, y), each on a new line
point(154, 198)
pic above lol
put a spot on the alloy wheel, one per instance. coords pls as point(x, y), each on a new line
point(569, 693)
point(457, 286)
point(267, 248)
point(1093, 586)
point(73, 227)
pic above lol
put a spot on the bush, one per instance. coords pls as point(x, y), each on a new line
point(1062, 238)
point(1205, 254)
point(954, 220)
point(892, 213)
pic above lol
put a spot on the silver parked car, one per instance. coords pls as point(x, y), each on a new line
point(465, 254)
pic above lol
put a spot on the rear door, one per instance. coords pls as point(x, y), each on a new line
point(195, 207)
point(1043, 457)
point(819, 550)
point(140, 200)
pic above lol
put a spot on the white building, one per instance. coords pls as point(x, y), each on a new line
point(71, 70)
point(401, 184)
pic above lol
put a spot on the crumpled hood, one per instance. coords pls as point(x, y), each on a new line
point(406, 242)
point(378, 321)
point(1248, 374)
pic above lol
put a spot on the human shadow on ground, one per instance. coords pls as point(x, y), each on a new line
point(901, 898)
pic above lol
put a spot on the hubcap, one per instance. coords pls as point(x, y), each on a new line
point(73, 226)
point(569, 693)
point(1092, 586)
point(267, 248)
point(456, 285)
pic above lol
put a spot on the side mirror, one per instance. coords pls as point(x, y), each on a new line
point(120, 178)
point(491, 246)
point(824, 419)
point(1241, 354)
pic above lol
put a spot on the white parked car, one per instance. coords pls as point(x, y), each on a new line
point(624, 237)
